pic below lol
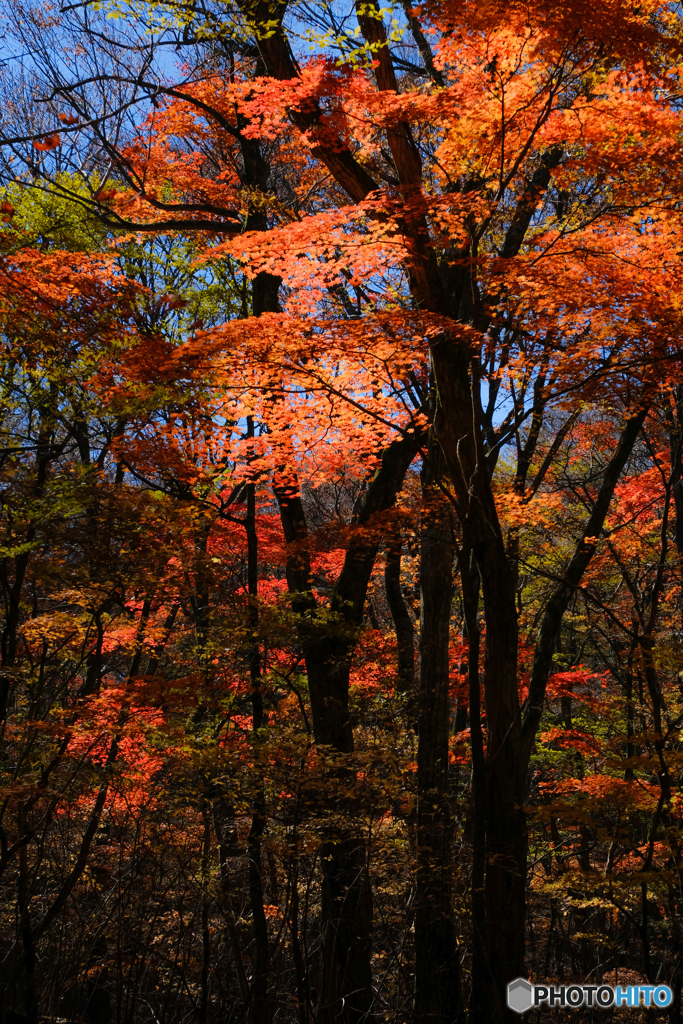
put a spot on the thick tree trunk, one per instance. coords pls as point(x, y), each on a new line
point(506, 837)
point(437, 981)
point(481, 978)
point(346, 991)
point(504, 818)
point(505, 887)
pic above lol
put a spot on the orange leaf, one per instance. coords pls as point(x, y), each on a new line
point(173, 301)
point(48, 143)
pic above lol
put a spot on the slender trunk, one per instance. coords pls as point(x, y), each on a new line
point(675, 419)
point(140, 638)
point(95, 660)
point(153, 663)
point(469, 575)
point(437, 982)
point(13, 590)
point(629, 774)
point(80, 864)
point(403, 624)
point(28, 946)
point(260, 1011)
point(206, 935)
point(228, 847)
point(302, 986)
point(200, 598)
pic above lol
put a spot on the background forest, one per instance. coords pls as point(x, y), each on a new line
point(341, 517)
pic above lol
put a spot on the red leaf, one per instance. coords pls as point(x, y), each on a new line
point(173, 301)
point(105, 195)
point(48, 143)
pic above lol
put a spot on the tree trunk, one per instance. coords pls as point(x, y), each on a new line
point(346, 991)
point(437, 981)
point(403, 624)
point(260, 1008)
point(27, 940)
point(481, 978)
point(505, 824)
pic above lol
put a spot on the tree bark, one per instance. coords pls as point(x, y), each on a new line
point(403, 624)
point(260, 1009)
point(437, 981)
point(481, 978)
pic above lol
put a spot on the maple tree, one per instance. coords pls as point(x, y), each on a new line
point(342, 539)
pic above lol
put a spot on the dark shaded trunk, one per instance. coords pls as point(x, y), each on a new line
point(506, 833)
point(206, 934)
point(169, 622)
point(506, 836)
point(303, 990)
point(225, 828)
point(140, 638)
point(403, 624)
point(675, 419)
point(437, 981)
point(95, 660)
point(29, 953)
point(469, 575)
point(79, 866)
point(260, 1009)
point(13, 587)
point(200, 597)
point(329, 652)
point(346, 990)
point(481, 977)
point(505, 824)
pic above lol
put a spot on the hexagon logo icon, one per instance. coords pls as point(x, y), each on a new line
point(520, 995)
